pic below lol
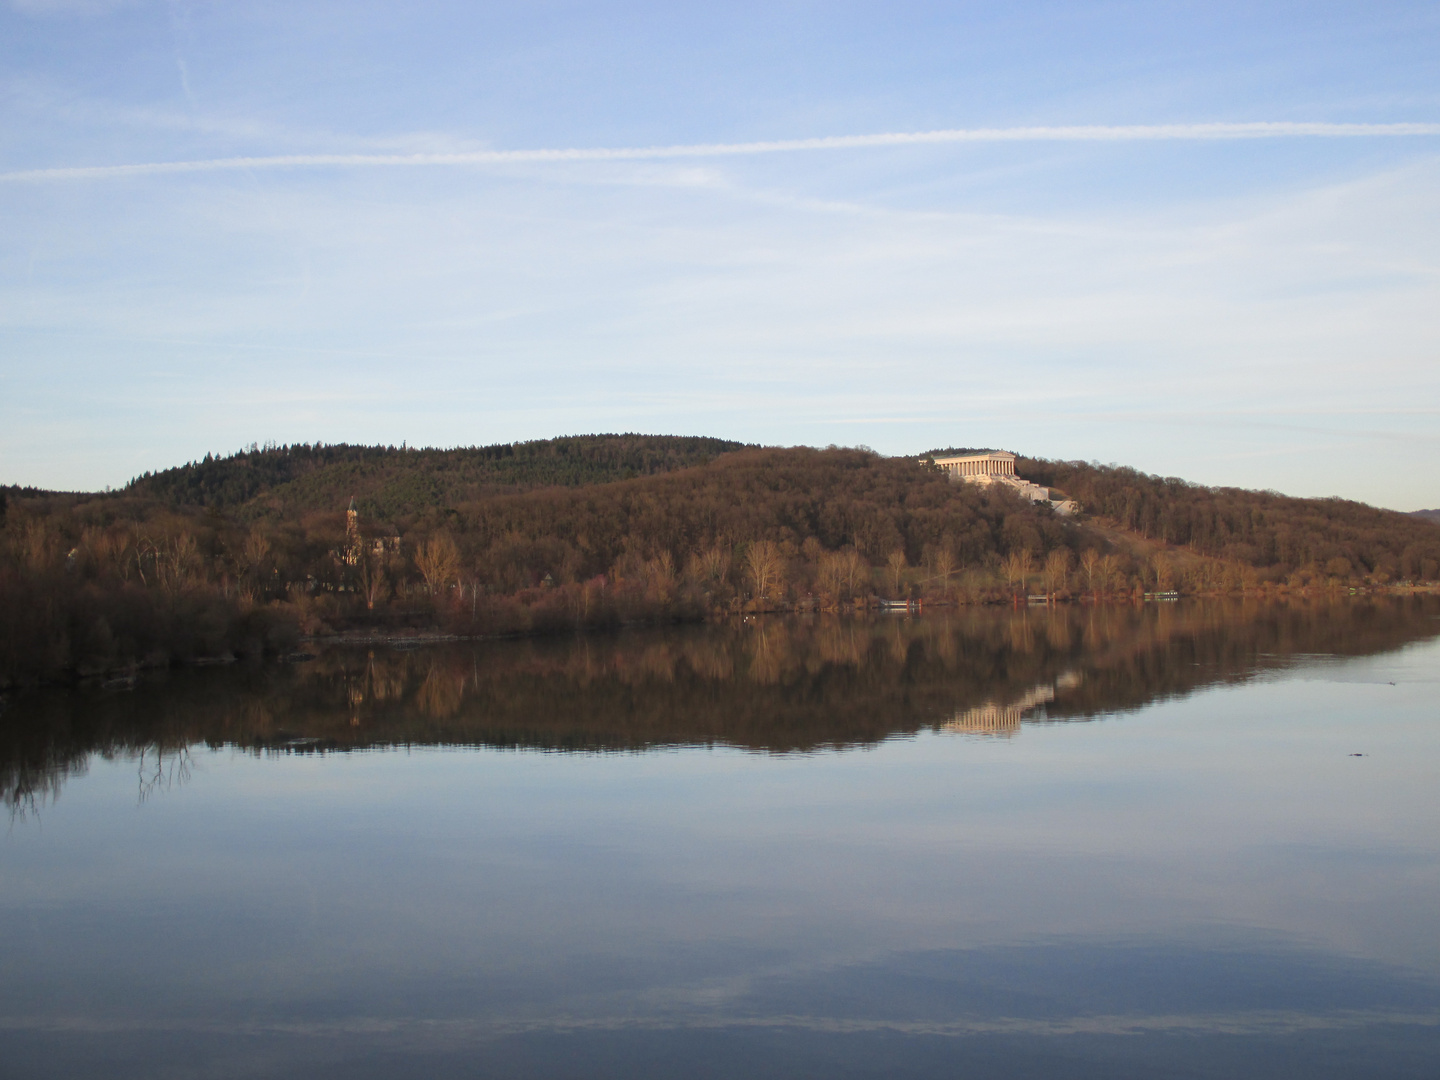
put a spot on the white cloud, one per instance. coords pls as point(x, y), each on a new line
point(1073, 133)
point(1257, 341)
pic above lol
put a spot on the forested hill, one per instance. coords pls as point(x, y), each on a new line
point(389, 481)
point(242, 554)
point(1277, 535)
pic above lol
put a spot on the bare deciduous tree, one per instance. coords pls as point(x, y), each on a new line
point(841, 573)
point(765, 567)
point(660, 577)
point(895, 567)
point(1017, 568)
point(1057, 569)
point(711, 566)
point(373, 572)
point(854, 570)
point(255, 551)
point(1110, 573)
point(176, 562)
point(438, 561)
point(942, 566)
point(1164, 573)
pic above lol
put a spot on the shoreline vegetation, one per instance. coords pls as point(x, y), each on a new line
point(256, 553)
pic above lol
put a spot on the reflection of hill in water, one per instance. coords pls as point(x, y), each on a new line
point(774, 685)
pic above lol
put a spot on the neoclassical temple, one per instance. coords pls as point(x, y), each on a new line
point(992, 463)
point(998, 467)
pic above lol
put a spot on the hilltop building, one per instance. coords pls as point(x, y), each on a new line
point(998, 467)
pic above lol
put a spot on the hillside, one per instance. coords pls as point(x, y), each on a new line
point(1427, 515)
point(243, 554)
point(390, 481)
point(1275, 535)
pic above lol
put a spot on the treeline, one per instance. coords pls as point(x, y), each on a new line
point(389, 481)
point(94, 583)
point(1282, 539)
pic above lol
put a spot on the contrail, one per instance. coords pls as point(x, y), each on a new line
point(1090, 133)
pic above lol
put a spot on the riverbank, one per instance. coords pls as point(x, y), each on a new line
point(286, 642)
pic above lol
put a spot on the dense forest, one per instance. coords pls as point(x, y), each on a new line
point(1282, 538)
point(247, 554)
point(388, 481)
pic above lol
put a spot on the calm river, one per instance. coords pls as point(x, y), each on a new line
point(1181, 840)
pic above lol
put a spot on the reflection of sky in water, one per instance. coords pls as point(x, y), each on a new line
point(1210, 884)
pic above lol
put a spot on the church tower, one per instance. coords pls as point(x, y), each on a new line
point(352, 533)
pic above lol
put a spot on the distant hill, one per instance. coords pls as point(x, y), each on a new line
point(239, 555)
point(389, 481)
point(1427, 515)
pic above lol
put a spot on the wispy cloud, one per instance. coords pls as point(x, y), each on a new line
point(67, 7)
point(1076, 133)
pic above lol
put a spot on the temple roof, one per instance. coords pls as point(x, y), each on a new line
point(988, 455)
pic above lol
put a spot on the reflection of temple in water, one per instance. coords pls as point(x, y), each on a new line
point(997, 718)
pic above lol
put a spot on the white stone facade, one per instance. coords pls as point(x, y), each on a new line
point(998, 467)
point(995, 467)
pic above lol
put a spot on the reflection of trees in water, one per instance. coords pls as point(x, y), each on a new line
point(707, 662)
point(29, 786)
point(441, 693)
point(160, 768)
point(843, 642)
point(770, 650)
point(770, 684)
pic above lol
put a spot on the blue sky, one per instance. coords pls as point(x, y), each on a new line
point(1257, 310)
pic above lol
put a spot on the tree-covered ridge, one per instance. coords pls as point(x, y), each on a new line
point(1276, 535)
point(390, 481)
point(955, 451)
point(1427, 515)
point(806, 503)
point(91, 583)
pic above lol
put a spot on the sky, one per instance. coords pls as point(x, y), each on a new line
point(1200, 239)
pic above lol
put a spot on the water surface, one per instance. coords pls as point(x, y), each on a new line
point(1069, 842)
